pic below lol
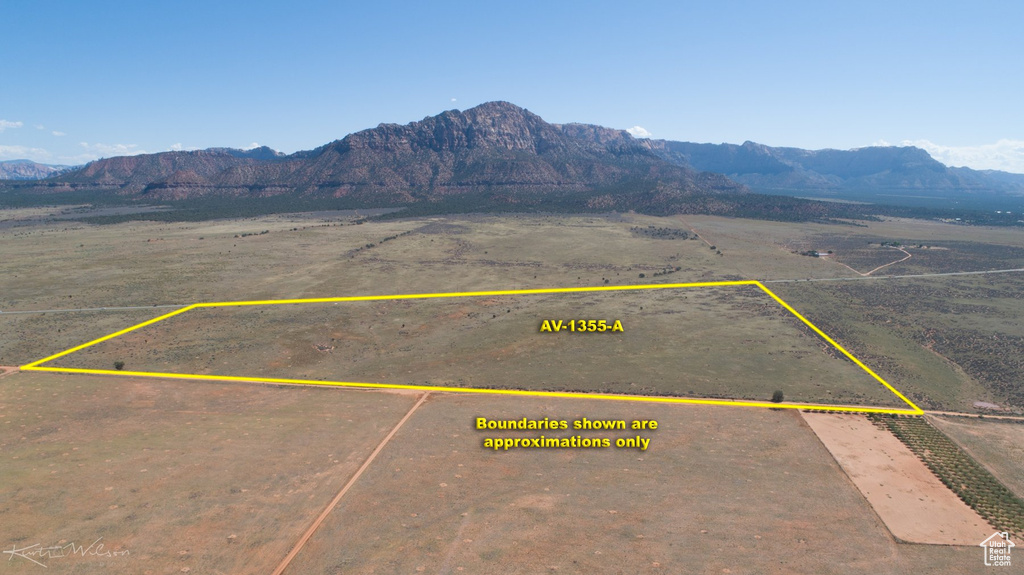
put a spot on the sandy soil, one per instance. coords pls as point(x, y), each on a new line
point(913, 503)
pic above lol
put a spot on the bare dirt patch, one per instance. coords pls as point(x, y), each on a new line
point(913, 503)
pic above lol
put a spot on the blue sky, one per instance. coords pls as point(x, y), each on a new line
point(82, 80)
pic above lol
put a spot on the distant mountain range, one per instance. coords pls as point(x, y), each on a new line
point(873, 173)
point(497, 148)
point(508, 155)
point(29, 170)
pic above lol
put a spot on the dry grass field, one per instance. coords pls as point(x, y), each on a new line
point(946, 342)
point(769, 250)
point(225, 478)
point(68, 265)
point(216, 478)
point(719, 490)
point(724, 342)
point(951, 342)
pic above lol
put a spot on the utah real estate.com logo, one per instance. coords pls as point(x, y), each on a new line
point(997, 549)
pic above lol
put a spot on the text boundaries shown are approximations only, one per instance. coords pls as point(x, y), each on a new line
point(912, 409)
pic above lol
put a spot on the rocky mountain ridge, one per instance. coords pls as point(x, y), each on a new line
point(496, 147)
point(500, 154)
point(29, 170)
point(868, 170)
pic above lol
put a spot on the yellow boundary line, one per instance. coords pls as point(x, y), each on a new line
point(914, 410)
point(849, 355)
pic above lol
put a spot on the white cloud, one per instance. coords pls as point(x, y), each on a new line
point(76, 160)
point(24, 153)
point(58, 133)
point(639, 132)
point(1006, 154)
point(40, 127)
point(96, 151)
point(251, 146)
point(4, 124)
point(453, 99)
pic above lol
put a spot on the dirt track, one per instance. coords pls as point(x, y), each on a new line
point(330, 506)
point(910, 500)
